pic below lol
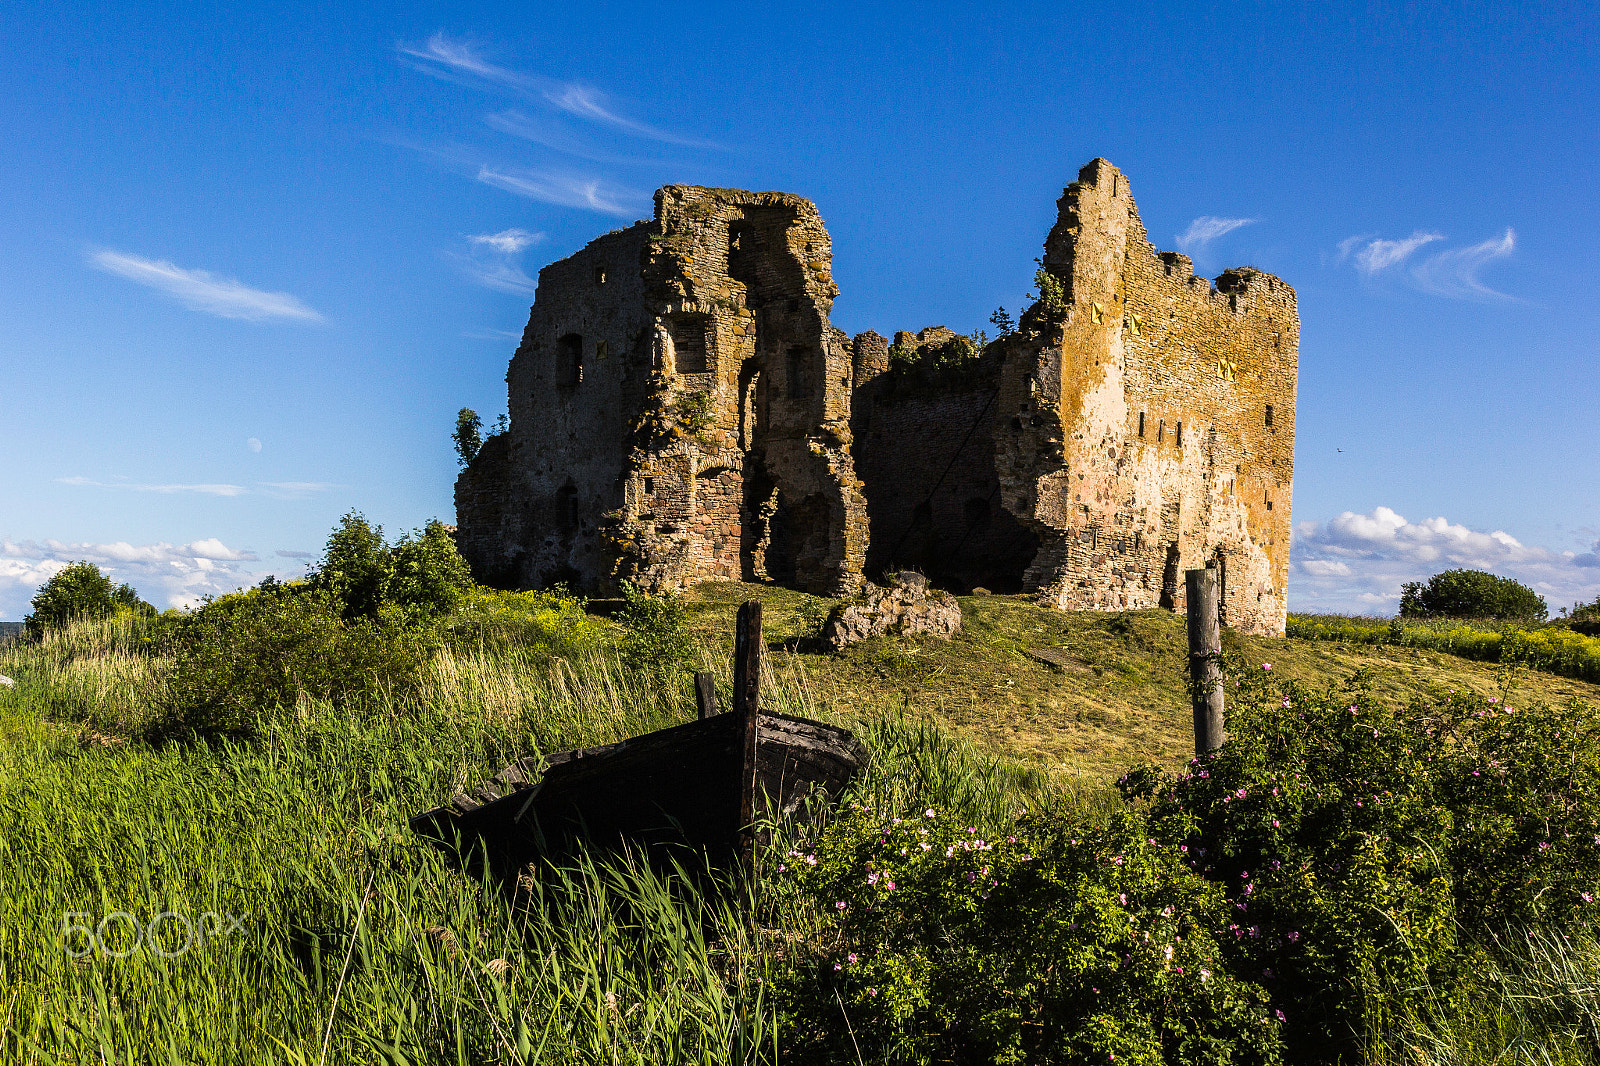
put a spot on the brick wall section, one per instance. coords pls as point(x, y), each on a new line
point(1121, 514)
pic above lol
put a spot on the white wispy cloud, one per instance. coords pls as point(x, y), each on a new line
point(1455, 273)
point(200, 290)
point(278, 489)
point(1207, 228)
point(494, 260)
point(460, 61)
point(295, 490)
point(507, 241)
point(170, 489)
point(167, 575)
point(1372, 255)
point(1357, 563)
point(564, 190)
point(492, 335)
point(549, 132)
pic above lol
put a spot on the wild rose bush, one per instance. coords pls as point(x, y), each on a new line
point(1052, 943)
point(1277, 898)
point(1355, 841)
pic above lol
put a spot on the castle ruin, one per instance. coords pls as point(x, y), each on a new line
point(681, 409)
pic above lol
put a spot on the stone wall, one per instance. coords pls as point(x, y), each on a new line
point(682, 409)
point(679, 410)
point(924, 447)
point(1147, 423)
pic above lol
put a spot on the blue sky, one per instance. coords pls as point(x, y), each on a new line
point(254, 257)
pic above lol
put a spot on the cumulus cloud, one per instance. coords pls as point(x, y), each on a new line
point(200, 290)
point(564, 190)
point(167, 575)
point(1455, 273)
point(494, 260)
point(1372, 255)
point(1207, 228)
point(1357, 563)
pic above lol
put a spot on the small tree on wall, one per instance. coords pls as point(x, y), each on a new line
point(468, 436)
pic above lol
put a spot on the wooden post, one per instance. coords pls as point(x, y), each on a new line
point(1205, 643)
point(705, 692)
point(747, 705)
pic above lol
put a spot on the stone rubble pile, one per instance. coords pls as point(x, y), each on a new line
point(906, 607)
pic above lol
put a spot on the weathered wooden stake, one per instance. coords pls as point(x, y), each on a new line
point(705, 691)
point(747, 704)
point(1205, 673)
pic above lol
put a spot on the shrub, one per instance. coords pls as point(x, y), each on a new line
point(468, 437)
point(242, 654)
point(423, 572)
point(655, 633)
point(355, 567)
point(1556, 649)
point(1353, 839)
point(427, 573)
point(1057, 942)
point(1471, 594)
point(554, 620)
point(79, 592)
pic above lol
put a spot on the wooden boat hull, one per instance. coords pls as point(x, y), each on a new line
point(684, 786)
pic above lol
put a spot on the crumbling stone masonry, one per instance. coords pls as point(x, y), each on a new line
point(681, 409)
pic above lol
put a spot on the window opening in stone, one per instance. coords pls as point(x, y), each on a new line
point(1141, 423)
point(1269, 414)
point(569, 360)
point(1161, 431)
point(799, 373)
point(1180, 434)
point(601, 351)
point(567, 508)
point(649, 486)
point(689, 344)
point(600, 275)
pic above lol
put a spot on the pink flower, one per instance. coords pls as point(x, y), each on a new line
point(839, 906)
point(854, 958)
point(1266, 666)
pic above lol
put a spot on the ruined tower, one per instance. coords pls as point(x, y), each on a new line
point(682, 409)
point(1146, 419)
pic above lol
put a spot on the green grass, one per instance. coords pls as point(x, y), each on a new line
point(1120, 699)
point(355, 933)
point(1553, 648)
point(358, 938)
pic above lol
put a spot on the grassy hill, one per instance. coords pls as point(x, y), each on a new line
point(1118, 696)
